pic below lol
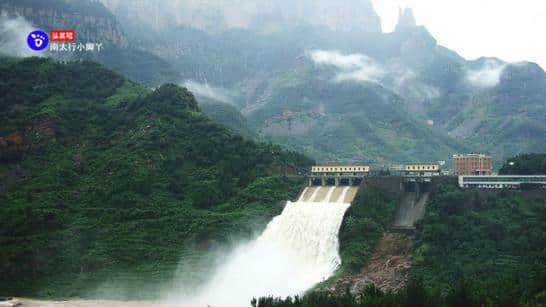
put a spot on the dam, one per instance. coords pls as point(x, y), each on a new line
point(328, 194)
point(338, 174)
point(298, 249)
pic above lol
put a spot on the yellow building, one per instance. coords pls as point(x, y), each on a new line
point(340, 169)
point(422, 167)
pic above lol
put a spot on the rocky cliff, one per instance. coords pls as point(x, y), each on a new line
point(263, 16)
point(406, 19)
point(89, 18)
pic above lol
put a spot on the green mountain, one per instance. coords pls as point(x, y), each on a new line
point(227, 115)
point(508, 118)
point(106, 182)
point(424, 101)
point(526, 164)
point(349, 121)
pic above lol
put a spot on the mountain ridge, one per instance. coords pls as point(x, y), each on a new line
point(218, 16)
point(464, 102)
point(124, 180)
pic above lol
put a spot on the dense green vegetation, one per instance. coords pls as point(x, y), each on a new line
point(225, 114)
point(137, 65)
point(347, 121)
point(527, 164)
point(120, 183)
point(114, 183)
point(482, 235)
point(465, 293)
point(368, 217)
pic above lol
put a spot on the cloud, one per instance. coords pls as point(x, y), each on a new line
point(360, 67)
point(406, 82)
point(207, 91)
point(353, 67)
point(488, 75)
point(13, 37)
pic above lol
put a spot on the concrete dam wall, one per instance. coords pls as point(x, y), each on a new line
point(410, 210)
point(413, 194)
point(412, 205)
point(328, 194)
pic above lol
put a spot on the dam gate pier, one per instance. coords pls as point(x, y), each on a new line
point(338, 175)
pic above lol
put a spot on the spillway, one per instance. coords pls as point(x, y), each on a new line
point(298, 249)
point(411, 209)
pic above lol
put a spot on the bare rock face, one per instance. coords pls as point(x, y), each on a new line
point(261, 16)
point(406, 19)
point(90, 19)
point(387, 268)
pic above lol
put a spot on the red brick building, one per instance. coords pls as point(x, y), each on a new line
point(472, 164)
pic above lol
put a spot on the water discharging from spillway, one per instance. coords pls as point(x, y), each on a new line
point(298, 249)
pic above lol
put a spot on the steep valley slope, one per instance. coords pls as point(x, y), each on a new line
point(108, 186)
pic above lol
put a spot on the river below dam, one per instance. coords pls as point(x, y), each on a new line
point(80, 303)
point(297, 250)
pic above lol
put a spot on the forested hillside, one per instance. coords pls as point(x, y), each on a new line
point(481, 235)
point(473, 248)
point(526, 164)
point(104, 181)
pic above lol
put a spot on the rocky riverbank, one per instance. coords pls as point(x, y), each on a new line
point(388, 267)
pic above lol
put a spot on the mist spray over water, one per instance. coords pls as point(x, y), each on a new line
point(298, 249)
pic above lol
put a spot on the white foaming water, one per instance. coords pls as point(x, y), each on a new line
point(298, 249)
point(314, 195)
point(303, 193)
point(341, 198)
point(329, 195)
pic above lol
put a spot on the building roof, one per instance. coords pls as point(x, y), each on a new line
point(472, 155)
point(423, 163)
point(340, 165)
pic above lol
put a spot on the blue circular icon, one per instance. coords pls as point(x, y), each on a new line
point(37, 40)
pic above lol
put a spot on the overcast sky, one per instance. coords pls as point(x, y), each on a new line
point(513, 30)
